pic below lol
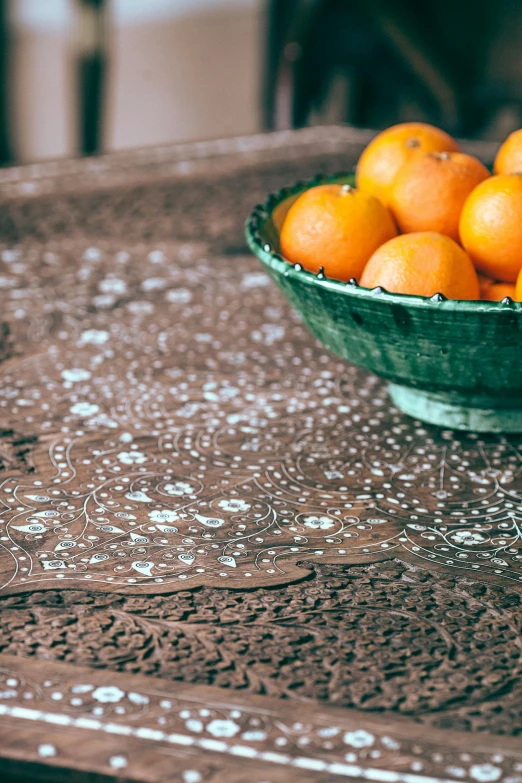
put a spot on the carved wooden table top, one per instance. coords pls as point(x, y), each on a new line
point(192, 489)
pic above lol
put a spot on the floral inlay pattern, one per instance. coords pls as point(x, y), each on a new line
point(119, 716)
point(169, 433)
point(175, 441)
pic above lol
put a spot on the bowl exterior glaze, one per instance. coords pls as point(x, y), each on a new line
point(454, 363)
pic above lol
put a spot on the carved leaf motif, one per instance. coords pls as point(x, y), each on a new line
point(314, 640)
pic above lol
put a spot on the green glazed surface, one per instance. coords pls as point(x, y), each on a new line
point(462, 358)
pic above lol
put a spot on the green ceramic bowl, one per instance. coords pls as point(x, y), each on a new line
point(457, 364)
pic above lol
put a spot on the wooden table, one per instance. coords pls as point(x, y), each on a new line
point(224, 555)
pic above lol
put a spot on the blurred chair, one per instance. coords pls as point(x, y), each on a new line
point(6, 154)
point(91, 68)
point(399, 60)
point(91, 38)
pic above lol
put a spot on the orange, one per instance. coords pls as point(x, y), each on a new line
point(430, 189)
point(386, 153)
point(518, 288)
point(491, 226)
point(423, 263)
point(336, 227)
point(497, 291)
point(280, 212)
point(509, 156)
point(484, 284)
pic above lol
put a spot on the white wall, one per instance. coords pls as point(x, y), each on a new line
point(179, 70)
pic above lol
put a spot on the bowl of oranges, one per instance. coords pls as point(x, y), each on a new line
point(411, 268)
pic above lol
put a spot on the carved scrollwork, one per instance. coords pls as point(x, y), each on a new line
point(392, 638)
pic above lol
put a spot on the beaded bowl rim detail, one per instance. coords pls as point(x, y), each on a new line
point(269, 255)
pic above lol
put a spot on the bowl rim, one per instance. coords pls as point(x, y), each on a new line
point(275, 261)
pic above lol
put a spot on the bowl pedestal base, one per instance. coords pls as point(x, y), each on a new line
point(456, 411)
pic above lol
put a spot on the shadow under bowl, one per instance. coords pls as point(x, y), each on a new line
point(457, 364)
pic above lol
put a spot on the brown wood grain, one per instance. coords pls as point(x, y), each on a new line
point(191, 488)
point(75, 718)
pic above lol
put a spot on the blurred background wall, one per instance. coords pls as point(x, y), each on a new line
point(177, 70)
point(87, 76)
